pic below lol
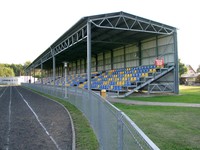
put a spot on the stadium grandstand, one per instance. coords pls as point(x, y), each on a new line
point(118, 52)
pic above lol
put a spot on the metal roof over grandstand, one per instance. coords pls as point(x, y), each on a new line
point(107, 32)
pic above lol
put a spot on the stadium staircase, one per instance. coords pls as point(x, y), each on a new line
point(157, 75)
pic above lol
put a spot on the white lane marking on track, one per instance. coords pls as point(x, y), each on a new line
point(36, 116)
point(9, 120)
point(3, 92)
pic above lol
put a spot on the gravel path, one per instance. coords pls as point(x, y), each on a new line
point(135, 102)
point(31, 122)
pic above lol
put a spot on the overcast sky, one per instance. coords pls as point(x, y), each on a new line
point(29, 27)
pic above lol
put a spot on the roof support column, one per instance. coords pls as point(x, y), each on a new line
point(34, 75)
point(89, 54)
point(111, 59)
point(124, 56)
point(76, 67)
point(104, 62)
point(29, 75)
point(85, 63)
point(176, 69)
point(96, 59)
point(140, 53)
point(157, 46)
point(41, 72)
point(54, 66)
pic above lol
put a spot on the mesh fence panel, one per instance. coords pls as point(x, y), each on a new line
point(114, 130)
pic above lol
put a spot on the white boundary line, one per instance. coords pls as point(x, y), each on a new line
point(3, 92)
point(36, 116)
point(72, 123)
point(9, 120)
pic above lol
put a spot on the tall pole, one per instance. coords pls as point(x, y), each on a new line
point(176, 69)
point(89, 54)
point(54, 71)
point(42, 72)
point(65, 80)
point(54, 66)
point(34, 74)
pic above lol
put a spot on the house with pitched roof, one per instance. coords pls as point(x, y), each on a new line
point(189, 78)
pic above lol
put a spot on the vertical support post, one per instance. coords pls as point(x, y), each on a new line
point(65, 79)
point(54, 67)
point(34, 75)
point(26, 75)
point(89, 54)
point(140, 53)
point(96, 59)
point(76, 67)
point(176, 69)
point(111, 59)
point(124, 56)
point(100, 114)
point(85, 66)
point(41, 72)
point(30, 75)
point(157, 46)
point(120, 131)
point(104, 61)
point(80, 66)
point(54, 70)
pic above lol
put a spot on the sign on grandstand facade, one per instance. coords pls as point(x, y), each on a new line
point(159, 63)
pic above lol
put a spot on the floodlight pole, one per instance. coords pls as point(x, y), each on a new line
point(65, 80)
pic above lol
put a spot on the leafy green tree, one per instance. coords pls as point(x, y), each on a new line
point(6, 71)
point(182, 68)
point(26, 64)
point(18, 69)
point(9, 69)
point(198, 79)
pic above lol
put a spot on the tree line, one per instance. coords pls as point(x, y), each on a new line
point(12, 70)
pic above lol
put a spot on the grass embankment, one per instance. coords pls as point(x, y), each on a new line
point(188, 94)
point(85, 137)
point(170, 128)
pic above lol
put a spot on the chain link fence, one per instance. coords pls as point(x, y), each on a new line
point(114, 129)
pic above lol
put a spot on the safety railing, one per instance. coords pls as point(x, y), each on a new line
point(113, 128)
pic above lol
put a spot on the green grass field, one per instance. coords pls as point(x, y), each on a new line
point(188, 94)
point(170, 128)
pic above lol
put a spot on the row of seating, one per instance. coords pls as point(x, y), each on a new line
point(121, 79)
point(111, 80)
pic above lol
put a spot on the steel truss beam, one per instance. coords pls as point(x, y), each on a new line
point(76, 37)
point(120, 21)
point(164, 87)
point(135, 23)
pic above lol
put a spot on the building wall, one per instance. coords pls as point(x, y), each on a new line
point(145, 53)
point(16, 80)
